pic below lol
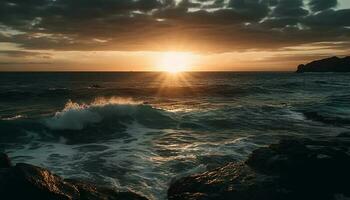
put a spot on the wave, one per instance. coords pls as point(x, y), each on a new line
point(13, 117)
point(78, 116)
point(327, 118)
point(58, 89)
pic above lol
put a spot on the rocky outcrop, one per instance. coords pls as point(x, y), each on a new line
point(345, 135)
point(24, 181)
point(333, 64)
point(4, 161)
point(300, 169)
point(90, 191)
point(289, 170)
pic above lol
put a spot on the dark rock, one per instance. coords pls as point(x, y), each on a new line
point(292, 169)
point(344, 135)
point(318, 169)
point(4, 161)
point(333, 64)
point(95, 86)
point(233, 181)
point(92, 192)
point(25, 181)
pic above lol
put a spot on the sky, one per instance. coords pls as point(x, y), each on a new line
point(147, 35)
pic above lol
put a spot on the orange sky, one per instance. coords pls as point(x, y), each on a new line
point(231, 35)
point(284, 60)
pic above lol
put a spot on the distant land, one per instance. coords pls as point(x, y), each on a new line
point(332, 64)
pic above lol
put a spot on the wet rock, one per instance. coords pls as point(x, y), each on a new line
point(24, 181)
point(4, 161)
point(344, 135)
point(92, 192)
point(95, 86)
point(292, 169)
point(233, 181)
point(305, 167)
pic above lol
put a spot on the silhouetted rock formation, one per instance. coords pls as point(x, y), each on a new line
point(292, 169)
point(345, 134)
point(24, 181)
point(333, 64)
point(4, 161)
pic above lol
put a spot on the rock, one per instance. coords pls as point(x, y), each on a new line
point(91, 192)
point(233, 181)
point(4, 161)
point(96, 86)
point(333, 64)
point(292, 169)
point(319, 169)
point(344, 135)
point(278, 157)
point(25, 181)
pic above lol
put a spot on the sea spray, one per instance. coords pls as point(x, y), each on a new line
point(76, 116)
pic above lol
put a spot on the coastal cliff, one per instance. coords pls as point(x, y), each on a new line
point(332, 64)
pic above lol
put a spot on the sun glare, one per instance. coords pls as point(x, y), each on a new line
point(174, 62)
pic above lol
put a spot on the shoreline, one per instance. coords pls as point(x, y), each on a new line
point(294, 168)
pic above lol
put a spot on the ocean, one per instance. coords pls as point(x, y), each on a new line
point(143, 130)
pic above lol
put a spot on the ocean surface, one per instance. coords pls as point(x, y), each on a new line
point(143, 130)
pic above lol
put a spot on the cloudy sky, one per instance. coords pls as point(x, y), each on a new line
point(135, 35)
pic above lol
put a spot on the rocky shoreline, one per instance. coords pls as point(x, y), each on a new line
point(292, 169)
point(25, 181)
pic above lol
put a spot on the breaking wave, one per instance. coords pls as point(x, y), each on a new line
point(77, 116)
point(12, 117)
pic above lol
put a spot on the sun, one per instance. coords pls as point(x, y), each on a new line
point(174, 62)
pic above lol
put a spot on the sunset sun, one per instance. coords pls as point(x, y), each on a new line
point(174, 62)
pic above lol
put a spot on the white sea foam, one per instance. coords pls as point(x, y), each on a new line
point(13, 117)
point(76, 116)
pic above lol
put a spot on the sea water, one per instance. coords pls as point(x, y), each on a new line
point(141, 131)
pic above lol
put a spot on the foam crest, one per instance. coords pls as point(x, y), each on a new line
point(12, 118)
point(76, 116)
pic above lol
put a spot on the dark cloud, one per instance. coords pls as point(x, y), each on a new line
point(255, 9)
point(329, 19)
point(318, 5)
point(23, 54)
point(280, 22)
point(23, 63)
point(164, 24)
point(290, 8)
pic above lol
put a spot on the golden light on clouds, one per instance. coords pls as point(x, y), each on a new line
point(171, 61)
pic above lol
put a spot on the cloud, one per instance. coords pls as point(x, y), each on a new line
point(254, 9)
point(23, 54)
point(330, 19)
point(125, 25)
point(23, 63)
point(290, 8)
point(318, 5)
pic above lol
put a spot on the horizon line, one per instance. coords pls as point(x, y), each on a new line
point(135, 71)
